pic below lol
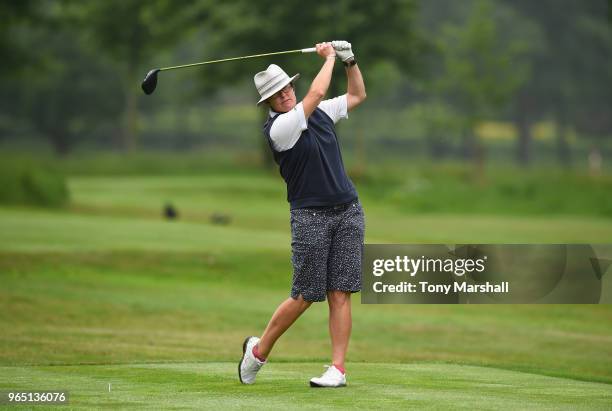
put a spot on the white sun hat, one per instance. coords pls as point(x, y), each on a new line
point(272, 80)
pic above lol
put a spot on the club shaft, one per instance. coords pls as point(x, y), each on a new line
point(238, 58)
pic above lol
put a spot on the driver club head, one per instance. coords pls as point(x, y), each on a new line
point(150, 81)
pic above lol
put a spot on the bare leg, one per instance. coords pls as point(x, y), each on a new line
point(339, 324)
point(281, 320)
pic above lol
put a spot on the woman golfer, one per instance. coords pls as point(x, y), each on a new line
point(327, 222)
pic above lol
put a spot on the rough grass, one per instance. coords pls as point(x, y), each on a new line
point(31, 184)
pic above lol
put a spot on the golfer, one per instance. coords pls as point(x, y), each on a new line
point(327, 222)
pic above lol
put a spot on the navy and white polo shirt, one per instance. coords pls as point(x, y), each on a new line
point(308, 154)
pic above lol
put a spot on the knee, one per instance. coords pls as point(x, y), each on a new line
point(302, 304)
point(337, 298)
point(305, 305)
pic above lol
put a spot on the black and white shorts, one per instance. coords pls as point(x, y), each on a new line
point(326, 243)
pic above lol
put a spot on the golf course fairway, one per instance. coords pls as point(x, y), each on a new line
point(109, 302)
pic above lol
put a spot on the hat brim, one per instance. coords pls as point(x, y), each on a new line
point(278, 88)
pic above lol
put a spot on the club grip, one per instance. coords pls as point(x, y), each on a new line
point(309, 50)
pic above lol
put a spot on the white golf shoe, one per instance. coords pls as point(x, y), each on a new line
point(249, 365)
point(333, 377)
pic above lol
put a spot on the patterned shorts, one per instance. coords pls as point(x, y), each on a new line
point(326, 243)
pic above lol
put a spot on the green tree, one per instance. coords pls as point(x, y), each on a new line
point(61, 91)
point(437, 123)
point(483, 63)
point(17, 17)
point(382, 34)
point(131, 33)
point(71, 95)
point(569, 71)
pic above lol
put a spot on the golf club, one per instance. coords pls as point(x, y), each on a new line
point(150, 81)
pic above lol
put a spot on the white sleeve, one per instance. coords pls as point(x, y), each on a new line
point(336, 108)
point(287, 128)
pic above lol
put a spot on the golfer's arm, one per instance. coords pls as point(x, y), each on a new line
point(319, 87)
point(356, 92)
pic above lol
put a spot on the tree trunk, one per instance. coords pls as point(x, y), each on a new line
point(523, 126)
point(595, 161)
point(59, 141)
point(469, 144)
point(129, 129)
point(479, 161)
point(359, 169)
point(130, 136)
point(474, 151)
point(437, 146)
point(564, 154)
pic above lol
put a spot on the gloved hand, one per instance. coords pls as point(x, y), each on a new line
point(343, 50)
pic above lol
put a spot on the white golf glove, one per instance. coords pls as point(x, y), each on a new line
point(343, 50)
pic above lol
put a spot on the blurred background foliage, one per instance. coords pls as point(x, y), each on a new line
point(487, 121)
point(481, 86)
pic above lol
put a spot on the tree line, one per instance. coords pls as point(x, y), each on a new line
point(71, 69)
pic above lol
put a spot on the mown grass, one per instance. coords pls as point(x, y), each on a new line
point(283, 386)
